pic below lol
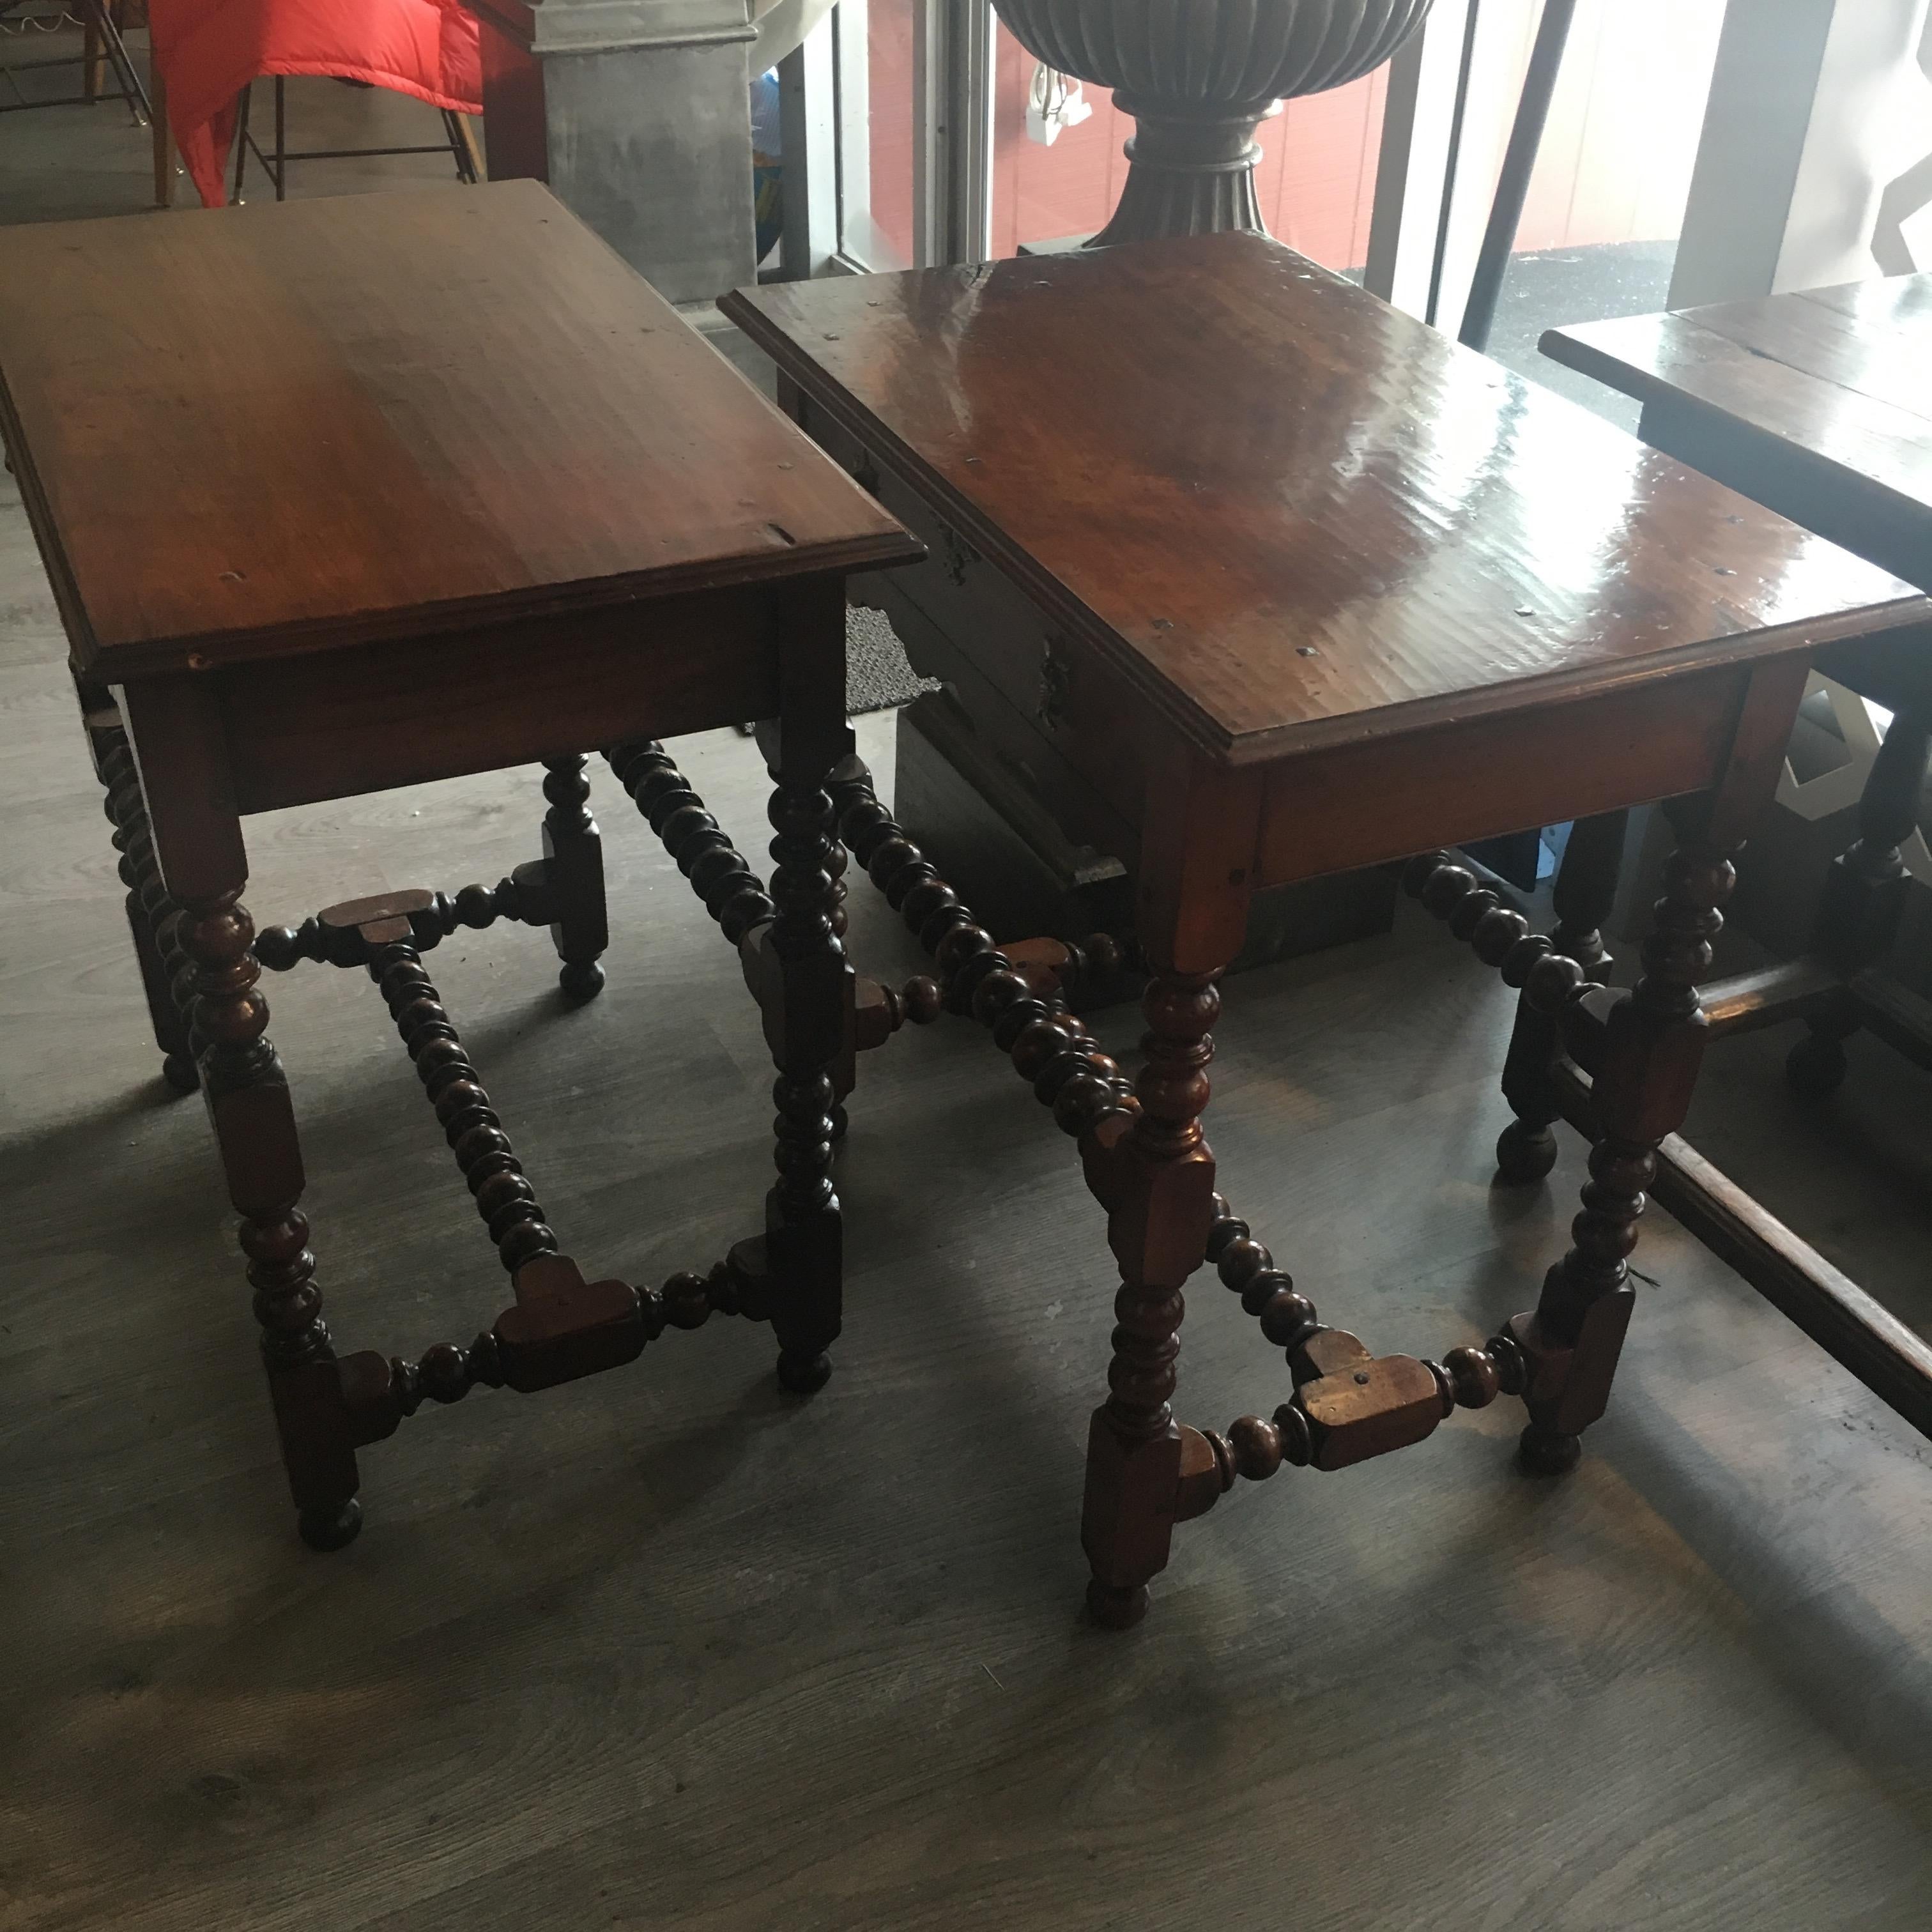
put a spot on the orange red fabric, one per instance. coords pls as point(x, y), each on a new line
point(208, 50)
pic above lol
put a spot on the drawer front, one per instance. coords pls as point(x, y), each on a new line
point(1047, 704)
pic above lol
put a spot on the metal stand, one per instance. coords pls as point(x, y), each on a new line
point(458, 142)
point(1525, 141)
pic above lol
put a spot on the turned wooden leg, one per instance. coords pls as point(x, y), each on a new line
point(181, 740)
point(1161, 1191)
point(151, 912)
point(1652, 1046)
point(162, 134)
point(1586, 888)
point(1865, 895)
point(573, 873)
point(93, 59)
point(247, 1097)
point(805, 1025)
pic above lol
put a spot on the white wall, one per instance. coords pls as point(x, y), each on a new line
point(1816, 105)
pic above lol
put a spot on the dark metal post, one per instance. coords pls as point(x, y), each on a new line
point(1539, 86)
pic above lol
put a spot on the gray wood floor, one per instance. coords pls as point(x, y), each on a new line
point(667, 1649)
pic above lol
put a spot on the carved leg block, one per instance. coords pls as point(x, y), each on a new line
point(318, 1451)
point(807, 1258)
point(1569, 1388)
point(574, 873)
point(1126, 1519)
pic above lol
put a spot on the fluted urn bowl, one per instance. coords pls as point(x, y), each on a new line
point(1198, 76)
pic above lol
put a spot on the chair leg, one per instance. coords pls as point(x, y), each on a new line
point(90, 58)
point(106, 12)
point(463, 146)
point(241, 106)
point(163, 135)
point(574, 871)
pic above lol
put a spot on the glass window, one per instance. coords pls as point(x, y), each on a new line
point(1606, 203)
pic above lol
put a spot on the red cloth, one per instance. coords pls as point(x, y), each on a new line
point(208, 50)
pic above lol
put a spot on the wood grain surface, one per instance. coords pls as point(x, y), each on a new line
point(1287, 513)
point(244, 432)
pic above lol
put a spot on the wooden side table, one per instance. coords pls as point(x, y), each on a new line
point(1816, 404)
point(353, 494)
point(1326, 591)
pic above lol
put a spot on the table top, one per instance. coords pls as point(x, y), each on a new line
point(1842, 375)
point(1288, 513)
point(244, 432)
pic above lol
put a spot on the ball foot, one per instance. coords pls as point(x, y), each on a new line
point(581, 979)
point(804, 1375)
point(1115, 1606)
point(1545, 1452)
point(181, 1073)
point(331, 1529)
point(1814, 1069)
point(1524, 1153)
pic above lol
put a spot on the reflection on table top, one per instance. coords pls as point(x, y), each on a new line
point(1842, 374)
point(1285, 509)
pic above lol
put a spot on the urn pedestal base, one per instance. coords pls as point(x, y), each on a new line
point(1189, 176)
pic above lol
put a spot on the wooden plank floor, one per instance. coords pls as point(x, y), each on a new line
point(666, 1649)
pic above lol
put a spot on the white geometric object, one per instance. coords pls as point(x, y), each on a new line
point(1841, 787)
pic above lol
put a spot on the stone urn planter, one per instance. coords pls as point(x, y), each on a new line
point(1198, 76)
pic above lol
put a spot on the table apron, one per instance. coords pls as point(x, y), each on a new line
point(337, 724)
point(1332, 810)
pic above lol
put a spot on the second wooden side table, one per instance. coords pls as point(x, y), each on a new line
point(1319, 590)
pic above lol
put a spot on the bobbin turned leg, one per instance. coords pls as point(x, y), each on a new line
point(1652, 1048)
point(1864, 896)
point(1586, 888)
point(806, 985)
point(247, 1097)
point(1160, 1191)
point(151, 912)
point(177, 727)
point(574, 873)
